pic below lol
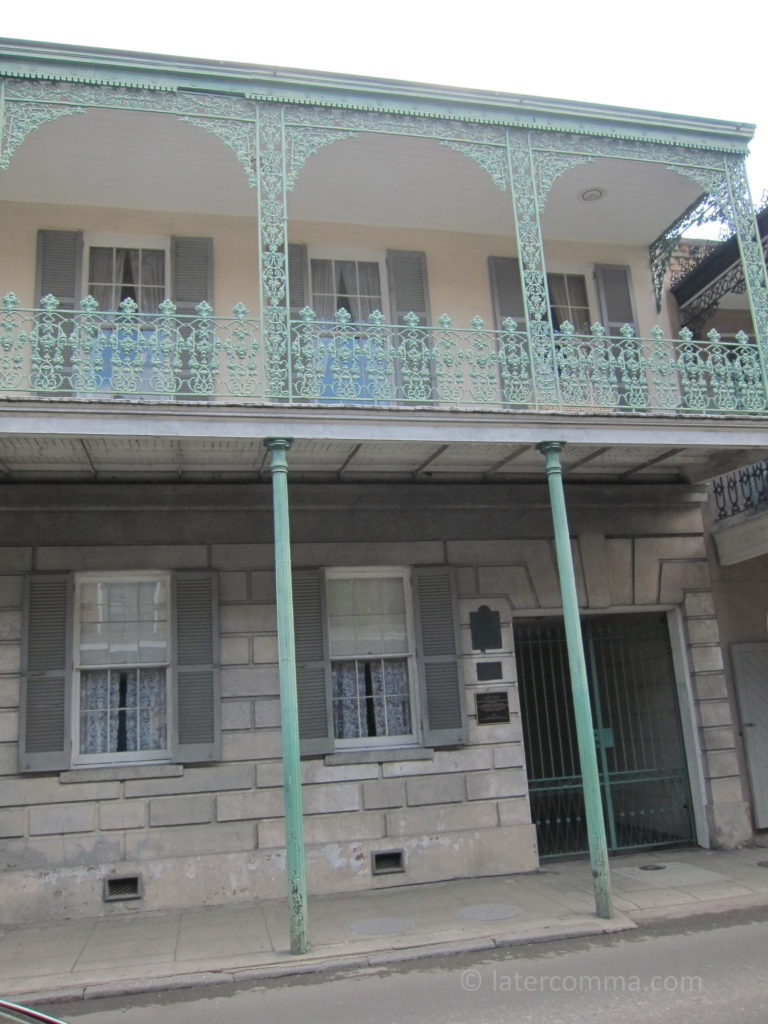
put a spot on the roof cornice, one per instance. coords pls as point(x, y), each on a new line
point(61, 62)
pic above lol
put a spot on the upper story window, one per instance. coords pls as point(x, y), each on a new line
point(395, 284)
point(568, 301)
point(146, 269)
point(116, 273)
point(353, 285)
point(569, 297)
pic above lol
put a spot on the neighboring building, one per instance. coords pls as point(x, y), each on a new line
point(416, 286)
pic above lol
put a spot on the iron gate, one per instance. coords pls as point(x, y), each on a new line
point(640, 753)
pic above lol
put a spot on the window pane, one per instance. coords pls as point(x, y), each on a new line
point(123, 711)
point(371, 698)
point(123, 622)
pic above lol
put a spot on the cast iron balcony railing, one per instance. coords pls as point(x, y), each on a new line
point(130, 355)
point(745, 490)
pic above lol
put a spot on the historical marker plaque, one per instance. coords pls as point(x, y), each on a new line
point(492, 707)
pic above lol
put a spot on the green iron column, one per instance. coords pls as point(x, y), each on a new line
point(598, 847)
point(289, 706)
point(742, 219)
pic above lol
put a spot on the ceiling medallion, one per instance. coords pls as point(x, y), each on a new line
point(592, 195)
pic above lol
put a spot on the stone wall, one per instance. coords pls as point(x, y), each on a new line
point(210, 834)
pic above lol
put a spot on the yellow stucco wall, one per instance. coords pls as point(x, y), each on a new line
point(457, 264)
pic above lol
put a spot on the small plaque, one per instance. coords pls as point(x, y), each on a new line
point(492, 708)
point(487, 671)
point(485, 628)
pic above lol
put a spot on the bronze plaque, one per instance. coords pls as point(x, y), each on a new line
point(492, 708)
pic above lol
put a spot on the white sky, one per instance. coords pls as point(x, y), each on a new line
point(677, 57)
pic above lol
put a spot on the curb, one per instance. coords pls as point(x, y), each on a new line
point(322, 964)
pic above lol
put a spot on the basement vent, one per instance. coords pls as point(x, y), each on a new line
point(387, 862)
point(122, 887)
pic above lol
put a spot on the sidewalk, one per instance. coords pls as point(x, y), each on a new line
point(139, 952)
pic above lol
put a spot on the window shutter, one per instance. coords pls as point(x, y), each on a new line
point(197, 697)
point(191, 273)
point(298, 279)
point(506, 290)
point(615, 292)
point(442, 692)
point(44, 730)
point(408, 290)
point(312, 666)
point(59, 266)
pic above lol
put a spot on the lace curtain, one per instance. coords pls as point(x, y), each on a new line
point(371, 698)
point(122, 710)
point(117, 274)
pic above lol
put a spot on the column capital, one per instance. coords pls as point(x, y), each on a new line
point(278, 444)
point(550, 446)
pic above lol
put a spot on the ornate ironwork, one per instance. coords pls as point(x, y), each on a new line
point(742, 491)
point(705, 210)
point(702, 307)
point(742, 220)
point(549, 167)
point(532, 267)
point(132, 355)
point(273, 248)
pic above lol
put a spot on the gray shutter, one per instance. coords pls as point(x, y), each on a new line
point(59, 266)
point(408, 291)
point(312, 666)
point(442, 693)
point(46, 689)
point(191, 273)
point(196, 678)
point(506, 290)
point(615, 292)
point(298, 279)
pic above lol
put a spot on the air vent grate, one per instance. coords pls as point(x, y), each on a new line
point(387, 862)
point(122, 887)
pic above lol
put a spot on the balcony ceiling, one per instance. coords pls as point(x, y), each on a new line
point(130, 160)
point(26, 458)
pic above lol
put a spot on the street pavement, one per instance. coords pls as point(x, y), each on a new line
point(133, 951)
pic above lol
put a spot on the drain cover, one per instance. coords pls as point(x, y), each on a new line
point(490, 912)
point(652, 867)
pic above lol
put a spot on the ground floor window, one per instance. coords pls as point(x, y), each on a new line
point(119, 668)
point(122, 666)
point(371, 653)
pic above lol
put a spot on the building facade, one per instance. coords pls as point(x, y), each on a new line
point(405, 291)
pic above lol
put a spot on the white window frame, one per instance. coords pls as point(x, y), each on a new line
point(356, 256)
point(96, 239)
point(163, 756)
point(593, 299)
point(412, 739)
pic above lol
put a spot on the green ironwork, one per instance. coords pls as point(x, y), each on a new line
point(598, 848)
point(705, 210)
point(744, 223)
point(642, 767)
point(742, 491)
point(133, 355)
point(289, 707)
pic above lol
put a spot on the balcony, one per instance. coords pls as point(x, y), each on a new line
point(49, 353)
point(740, 504)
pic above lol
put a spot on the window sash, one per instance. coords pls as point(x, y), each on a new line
point(354, 285)
point(110, 709)
point(372, 662)
point(118, 271)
